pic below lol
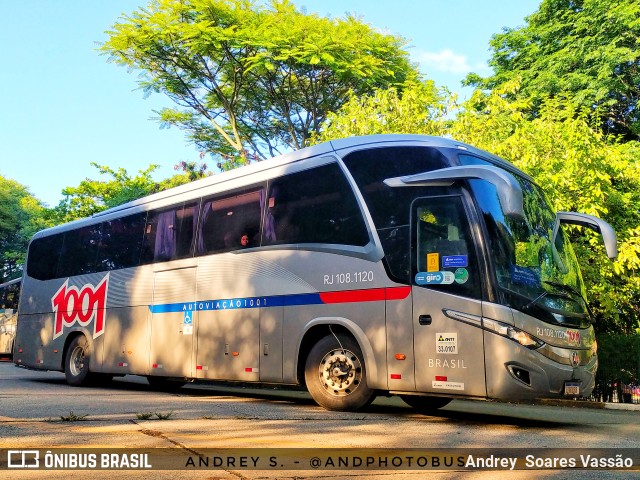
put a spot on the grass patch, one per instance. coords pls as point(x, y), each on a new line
point(72, 417)
point(164, 416)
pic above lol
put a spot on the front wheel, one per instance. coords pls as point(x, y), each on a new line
point(336, 376)
point(76, 365)
point(425, 404)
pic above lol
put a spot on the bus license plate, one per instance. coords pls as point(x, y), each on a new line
point(572, 389)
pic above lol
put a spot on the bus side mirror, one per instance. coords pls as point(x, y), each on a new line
point(508, 188)
point(594, 223)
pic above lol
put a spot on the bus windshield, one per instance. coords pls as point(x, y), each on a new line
point(536, 273)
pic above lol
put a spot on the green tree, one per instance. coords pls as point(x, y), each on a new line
point(93, 196)
point(588, 50)
point(21, 215)
point(581, 169)
point(418, 107)
point(249, 80)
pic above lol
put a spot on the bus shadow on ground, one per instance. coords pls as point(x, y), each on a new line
point(297, 396)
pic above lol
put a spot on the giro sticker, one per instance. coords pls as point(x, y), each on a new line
point(434, 278)
point(71, 304)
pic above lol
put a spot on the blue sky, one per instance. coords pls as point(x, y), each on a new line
point(65, 106)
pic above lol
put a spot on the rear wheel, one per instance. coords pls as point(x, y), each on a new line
point(76, 365)
point(336, 376)
point(425, 404)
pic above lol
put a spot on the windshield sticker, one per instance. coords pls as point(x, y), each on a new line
point(525, 276)
point(461, 275)
point(447, 343)
point(434, 278)
point(433, 262)
point(452, 261)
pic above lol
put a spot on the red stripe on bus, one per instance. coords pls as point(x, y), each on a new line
point(396, 376)
point(397, 293)
point(348, 296)
point(440, 378)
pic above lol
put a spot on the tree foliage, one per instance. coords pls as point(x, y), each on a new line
point(419, 107)
point(580, 168)
point(250, 79)
point(21, 215)
point(588, 50)
point(93, 196)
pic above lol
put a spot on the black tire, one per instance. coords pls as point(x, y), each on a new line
point(346, 387)
point(425, 404)
point(164, 384)
point(76, 363)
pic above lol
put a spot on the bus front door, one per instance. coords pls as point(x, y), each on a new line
point(447, 310)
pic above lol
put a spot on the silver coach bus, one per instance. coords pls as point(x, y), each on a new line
point(9, 295)
point(394, 264)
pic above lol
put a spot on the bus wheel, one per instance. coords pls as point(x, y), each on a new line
point(164, 384)
point(336, 376)
point(425, 404)
point(76, 369)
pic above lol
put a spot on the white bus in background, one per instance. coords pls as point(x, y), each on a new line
point(9, 296)
point(393, 264)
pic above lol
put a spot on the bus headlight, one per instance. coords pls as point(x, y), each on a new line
point(509, 331)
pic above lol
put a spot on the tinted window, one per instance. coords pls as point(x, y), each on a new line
point(42, 260)
point(121, 244)
point(390, 207)
point(79, 253)
point(444, 251)
point(169, 233)
point(9, 296)
point(314, 206)
point(231, 222)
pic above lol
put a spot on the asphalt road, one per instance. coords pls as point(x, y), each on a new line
point(38, 410)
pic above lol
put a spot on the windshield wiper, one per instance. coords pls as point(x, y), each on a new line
point(573, 290)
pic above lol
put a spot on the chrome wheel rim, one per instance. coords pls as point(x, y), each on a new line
point(340, 372)
point(77, 361)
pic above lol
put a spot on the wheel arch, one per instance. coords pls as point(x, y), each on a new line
point(321, 327)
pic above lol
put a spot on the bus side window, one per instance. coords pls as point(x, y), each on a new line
point(122, 240)
point(79, 253)
point(169, 233)
point(314, 206)
point(226, 219)
point(43, 256)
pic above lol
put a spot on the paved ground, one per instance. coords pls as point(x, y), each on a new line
point(202, 417)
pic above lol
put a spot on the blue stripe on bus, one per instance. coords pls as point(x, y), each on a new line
point(347, 296)
point(237, 303)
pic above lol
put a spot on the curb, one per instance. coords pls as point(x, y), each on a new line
point(587, 404)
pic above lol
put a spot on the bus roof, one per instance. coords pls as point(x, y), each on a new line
point(333, 146)
point(10, 282)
